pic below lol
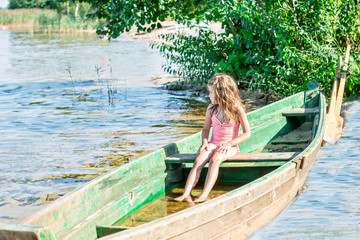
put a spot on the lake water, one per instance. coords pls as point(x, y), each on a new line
point(74, 106)
point(58, 131)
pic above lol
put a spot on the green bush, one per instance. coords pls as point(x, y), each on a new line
point(13, 4)
point(270, 46)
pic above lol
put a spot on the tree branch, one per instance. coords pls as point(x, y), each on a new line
point(292, 3)
point(232, 27)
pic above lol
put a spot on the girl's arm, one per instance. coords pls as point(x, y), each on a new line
point(206, 129)
point(245, 126)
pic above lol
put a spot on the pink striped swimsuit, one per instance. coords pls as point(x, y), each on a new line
point(223, 132)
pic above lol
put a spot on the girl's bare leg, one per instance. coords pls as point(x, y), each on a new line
point(194, 174)
point(193, 178)
point(213, 172)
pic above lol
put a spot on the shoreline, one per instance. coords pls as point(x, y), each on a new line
point(251, 100)
point(37, 28)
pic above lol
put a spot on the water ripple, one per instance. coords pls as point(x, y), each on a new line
point(329, 207)
point(58, 132)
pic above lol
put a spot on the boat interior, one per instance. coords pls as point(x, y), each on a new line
point(279, 133)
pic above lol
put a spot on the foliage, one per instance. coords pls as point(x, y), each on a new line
point(60, 6)
point(193, 57)
point(83, 8)
point(13, 4)
point(269, 45)
point(52, 4)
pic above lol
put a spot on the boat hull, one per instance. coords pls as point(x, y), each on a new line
point(240, 213)
point(236, 214)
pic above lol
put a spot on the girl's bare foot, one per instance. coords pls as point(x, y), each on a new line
point(190, 201)
point(181, 198)
point(202, 199)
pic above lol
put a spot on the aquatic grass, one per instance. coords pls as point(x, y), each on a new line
point(105, 81)
point(61, 23)
point(68, 69)
point(81, 96)
point(98, 71)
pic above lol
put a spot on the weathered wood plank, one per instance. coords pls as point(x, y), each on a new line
point(290, 141)
point(243, 164)
point(301, 112)
point(243, 157)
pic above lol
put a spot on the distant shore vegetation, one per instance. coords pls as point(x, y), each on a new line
point(49, 16)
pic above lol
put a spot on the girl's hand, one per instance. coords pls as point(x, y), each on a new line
point(204, 146)
point(223, 148)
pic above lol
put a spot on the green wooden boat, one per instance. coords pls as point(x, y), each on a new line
point(268, 173)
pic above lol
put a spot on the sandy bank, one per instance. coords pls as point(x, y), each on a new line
point(168, 27)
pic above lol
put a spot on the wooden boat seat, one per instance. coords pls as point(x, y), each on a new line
point(298, 112)
point(240, 160)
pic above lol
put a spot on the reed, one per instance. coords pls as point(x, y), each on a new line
point(108, 84)
point(20, 16)
point(68, 69)
point(46, 20)
point(61, 23)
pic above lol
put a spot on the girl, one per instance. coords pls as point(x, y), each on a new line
point(225, 114)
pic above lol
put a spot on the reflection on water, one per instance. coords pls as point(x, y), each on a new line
point(166, 205)
point(58, 132)
point(329, 208)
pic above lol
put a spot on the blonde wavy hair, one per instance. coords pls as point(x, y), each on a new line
point(226, 96)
